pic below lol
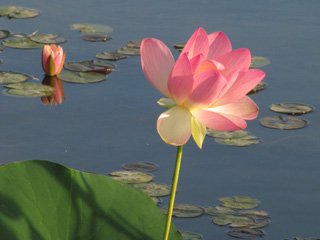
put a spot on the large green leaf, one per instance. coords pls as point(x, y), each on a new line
point(47, 201)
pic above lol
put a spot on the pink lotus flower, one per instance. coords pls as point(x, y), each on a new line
point(207, 86)
point(52, 59)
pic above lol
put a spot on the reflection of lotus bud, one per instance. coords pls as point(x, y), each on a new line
point(58, 93)
point(52, 59)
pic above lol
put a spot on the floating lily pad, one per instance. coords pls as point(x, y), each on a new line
point(29, 90)
point(218, 210)
point(227, 134)
point(233, 220)
point(185, 211)
point(47, 39)
point(96, 37)
point(154, 189)
point(260, 86)
point(130, 51)
point(239, 142)
point(91, 28)
point(239, 202)
point(281, 123)
point(111, 56)
point(12, 77)
point(291, 108)
point(18, 12)
point(87, 66)
point(257, 62)
point(6, 10)
point(191, 236)
point(82, 77)
point(180, 45)
point(134, 44)
point(140, 166)
point(131, 177)
point(259, 224)
point(4, 34)
point(255, 214)
point(23, 43)
point(1, 49)
point(245, 233)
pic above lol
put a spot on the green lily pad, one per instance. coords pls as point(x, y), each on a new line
point(239, 142)
point(218, 210)
point(6, 10)
point(140, 166)
point(47, 39)
point(130, 51)
point(180, 45)
point(134, 44)
point(111, 56)
point(255, 214)
point(18, 12)
point(185, 211)
point(4, 34)
point(45, 200)
point(88, 66)
point(29, 90)
point(281, 123)
point(227, 134)
point(239, 202)
point(96, 37)
point(257, 62)
point(154, 189)
point(291, 108)
point(261, 223)
point(12, 77)
point(82, 77)
point(131, 177)
point(191, 236)
point(260, 86)
point(22, 43)
point(91, 28)
point(245, 233)
point(1, 49)
point(233, 220)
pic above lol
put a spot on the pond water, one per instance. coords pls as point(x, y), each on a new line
point(103, 125)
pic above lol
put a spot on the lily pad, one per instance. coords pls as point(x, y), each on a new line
point(239, 202)
point(130, 51)
point(185, 211)
point(88, 66)
point(291, 108)
point(255, 214)
point(91, 28)
point(29, 90)
point(154, 189)
point(239, 142)
point(227, 134)
point(111, 56)
point(281, 123)
point(191, 236)
point(260, 86)
point(47, 39)
point(180, 45)
point(134, 44)
point(219, 210)
point(82, 77)
point(4, 34)
point(6, 10)
point(12, 77)
point(257, 62)
point(96, 37)
point(131, 177)
point(233, 220)
point(18, 12)
point(245, 233)
point(22, 43)
point(140, 166)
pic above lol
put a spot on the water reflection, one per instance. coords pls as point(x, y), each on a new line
point(58, 93)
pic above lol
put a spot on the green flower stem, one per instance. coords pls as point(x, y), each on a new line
point(173, 191)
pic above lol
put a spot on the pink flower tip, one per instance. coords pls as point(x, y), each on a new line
point(52, 59)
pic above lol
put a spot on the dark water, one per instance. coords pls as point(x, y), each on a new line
point(101, 126)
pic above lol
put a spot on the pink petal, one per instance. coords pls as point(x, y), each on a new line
point(219, 44)
point(244, 108)
point(210, 65)
point(197, 44)
point(157, 62)
point(238, 59)
point(219, 122)
point(196, 61)
point(174, 126)
point(180, 79)
point(241, 87)
point(231, 78)
point(207, 86)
